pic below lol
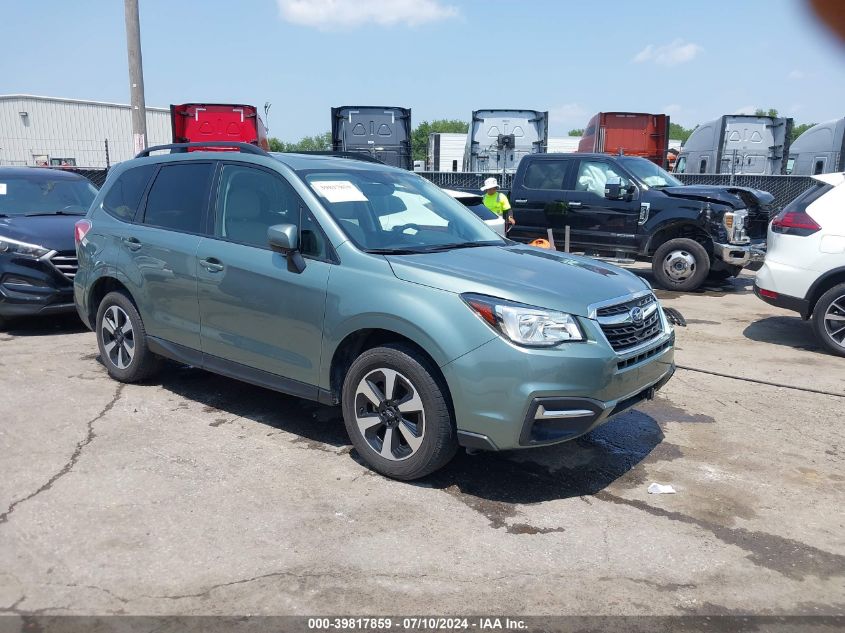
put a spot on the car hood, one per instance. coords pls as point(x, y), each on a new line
point(736, 197)
point(50, 231)
point(525, 274)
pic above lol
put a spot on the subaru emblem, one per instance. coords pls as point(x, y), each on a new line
point(637, 315)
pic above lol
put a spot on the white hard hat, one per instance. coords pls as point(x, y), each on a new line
point(490, 183)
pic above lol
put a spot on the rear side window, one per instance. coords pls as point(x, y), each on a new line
point(125, 193)
point(179, 196)
point(807, 198)
point(545, 174)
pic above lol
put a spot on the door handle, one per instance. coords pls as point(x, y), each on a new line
point(212, 264)
point(131, 243)
point(575, 205)
point(521, 200)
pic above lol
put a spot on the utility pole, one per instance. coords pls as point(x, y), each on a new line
point(136, 75)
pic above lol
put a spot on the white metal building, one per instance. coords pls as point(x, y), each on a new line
point(55, 131)
point(562, 144)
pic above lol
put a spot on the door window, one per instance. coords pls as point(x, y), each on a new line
point(250, 200)
point(681, 165)
point(546, 174)
point(125, 194)
point(818, 168)
point(702, 166)
point(593, 175)
point(178, 197)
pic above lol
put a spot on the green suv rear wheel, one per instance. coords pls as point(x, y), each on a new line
point(396, 412)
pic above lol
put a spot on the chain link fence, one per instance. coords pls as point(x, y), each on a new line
point(783, 188)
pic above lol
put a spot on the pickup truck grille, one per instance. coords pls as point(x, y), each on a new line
point(620, 328)
point(66, 263)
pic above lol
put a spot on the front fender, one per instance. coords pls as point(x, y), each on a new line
point(371, 297)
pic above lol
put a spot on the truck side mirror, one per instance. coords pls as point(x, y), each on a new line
point(613, 190)
point(284, 239)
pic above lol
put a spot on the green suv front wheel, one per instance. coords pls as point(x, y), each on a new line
point(122, 340)
point(396, 412)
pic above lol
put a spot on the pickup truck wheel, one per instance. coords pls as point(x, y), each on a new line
point(123, 341)
point(829, 320)
point(680, 264)
point(396, 413)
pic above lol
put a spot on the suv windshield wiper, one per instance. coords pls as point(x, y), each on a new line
point(37, 213)
point(436, 248)
point(394, 251)
point(433, 248)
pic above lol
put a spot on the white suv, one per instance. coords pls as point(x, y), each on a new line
point(804, 269)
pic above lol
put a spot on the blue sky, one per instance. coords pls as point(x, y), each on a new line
point(442, 58)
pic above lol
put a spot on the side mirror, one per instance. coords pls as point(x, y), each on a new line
point(284, 239)
point(613, 190)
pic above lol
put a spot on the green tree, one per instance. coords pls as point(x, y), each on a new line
point(679, 132)
point(798, 130)
point(419, 137)
point(770, 112)
point(576, 132)
point(317, 143)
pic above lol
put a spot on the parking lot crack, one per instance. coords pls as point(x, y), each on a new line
point(785, 556)
point(77, 452)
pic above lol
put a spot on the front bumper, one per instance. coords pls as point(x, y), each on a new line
point(508, 397)
point(740, 254)
point(29, 287)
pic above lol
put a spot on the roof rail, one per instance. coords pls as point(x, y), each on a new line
point(369, 158)
point(176, 148)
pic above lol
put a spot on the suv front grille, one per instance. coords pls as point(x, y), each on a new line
point(620, 329)
point(66, 263)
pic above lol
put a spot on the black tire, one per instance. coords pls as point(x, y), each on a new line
point(436, 427)
point(4, 324)
point(680, 250)
point(130, 359)
point(829, 308)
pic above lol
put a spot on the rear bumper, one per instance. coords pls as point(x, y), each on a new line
point(801, 306)
point(740, 254)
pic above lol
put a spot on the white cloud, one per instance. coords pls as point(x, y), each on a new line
point(328, 15)
point(568, 113)
point(796, 75)
point(676, 52)
point(746, 109)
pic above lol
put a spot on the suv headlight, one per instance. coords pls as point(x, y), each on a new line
point(735, 224)
point(525, 325)
point(8, 245)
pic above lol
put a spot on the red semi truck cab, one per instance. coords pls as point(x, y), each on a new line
point(200, 122)
point(632, 133)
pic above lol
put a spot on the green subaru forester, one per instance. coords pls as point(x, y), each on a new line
point(364, 286)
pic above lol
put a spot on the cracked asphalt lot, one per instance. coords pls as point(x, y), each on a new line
point(197, 494)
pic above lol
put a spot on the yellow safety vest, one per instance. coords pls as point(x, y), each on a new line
point(497, 203)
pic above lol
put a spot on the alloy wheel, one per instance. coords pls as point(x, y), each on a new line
point(834, 321)
point(118, 337)
point(389, 414)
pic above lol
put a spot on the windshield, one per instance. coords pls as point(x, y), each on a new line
point(650, 173)
point(27, 195)
point(395, 212)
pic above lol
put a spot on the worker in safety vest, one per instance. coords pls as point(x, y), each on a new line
point(495, 201)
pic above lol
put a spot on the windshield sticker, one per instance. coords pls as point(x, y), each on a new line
point(338, 191)
point(2, 188)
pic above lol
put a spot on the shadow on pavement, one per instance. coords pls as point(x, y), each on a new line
point(581, 467)
point(46, 325)
point(783, 330)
